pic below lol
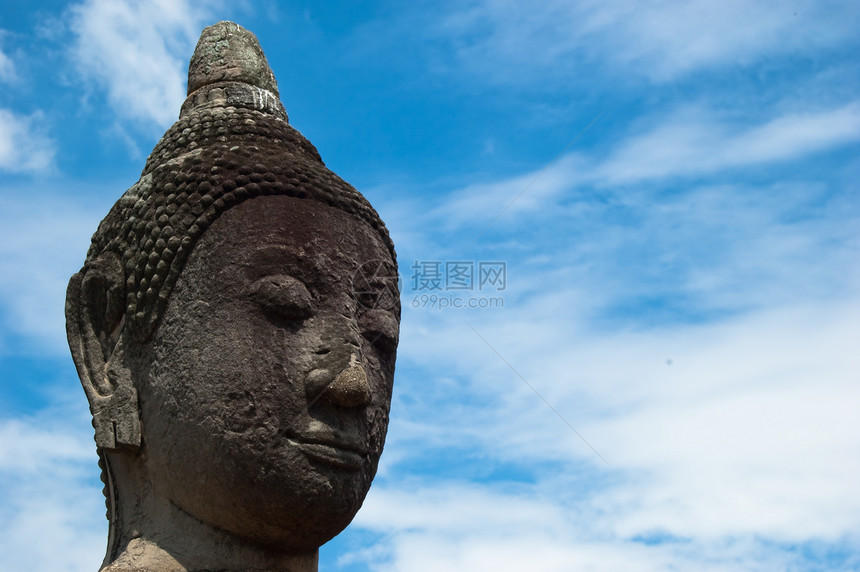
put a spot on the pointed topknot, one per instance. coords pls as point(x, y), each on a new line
point(229, 68)
point(229, 52)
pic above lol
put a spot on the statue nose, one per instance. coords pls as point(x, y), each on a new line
point(350, 388)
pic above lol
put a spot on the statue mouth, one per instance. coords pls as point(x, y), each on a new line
point(338, 455)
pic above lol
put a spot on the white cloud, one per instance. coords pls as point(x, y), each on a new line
point(27, 449)
point(692, 142)
point(7, 68)
point(671, 38)
point(43, 241)
point(741, 447)
point(23, 145)
point(138, 52)
point(600, 205)
point(529, 551)
point(730, 439)
point(516, 43)
point(48, 525)
point(51, 505)
point(748, 431)
point(528, 192)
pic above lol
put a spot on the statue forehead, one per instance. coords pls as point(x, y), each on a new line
point(278, 233)
point(293, 223)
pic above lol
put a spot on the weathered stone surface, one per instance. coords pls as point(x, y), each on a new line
point(228, 52)
point(239, 380)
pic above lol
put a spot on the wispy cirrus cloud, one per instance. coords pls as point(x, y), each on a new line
point(529, 527)
point(692, 141)
point(688, 141)
point(715, 239)
point(7, 66)
point(731, 439)
point(138, 53)
point(50, 491)
point(43, 240)
point(512, 43)
point(728, 434)
point(24, 145)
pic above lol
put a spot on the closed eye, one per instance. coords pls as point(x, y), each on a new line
point(381, 341)
point(381, 329)
point(283, 297)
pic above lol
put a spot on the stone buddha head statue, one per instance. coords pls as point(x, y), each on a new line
point(234, 327)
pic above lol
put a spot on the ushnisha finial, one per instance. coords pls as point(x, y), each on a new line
point(228, 68)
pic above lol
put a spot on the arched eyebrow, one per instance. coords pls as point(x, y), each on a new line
point(278, 259)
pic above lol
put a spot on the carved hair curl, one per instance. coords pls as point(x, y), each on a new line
point(231, 143)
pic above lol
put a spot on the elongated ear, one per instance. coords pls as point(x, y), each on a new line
point(95, 316)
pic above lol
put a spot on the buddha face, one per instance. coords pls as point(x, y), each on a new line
point(267, 384)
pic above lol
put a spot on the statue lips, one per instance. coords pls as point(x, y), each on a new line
point(340, 455)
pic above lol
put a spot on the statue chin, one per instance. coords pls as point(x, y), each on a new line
point(237, 354)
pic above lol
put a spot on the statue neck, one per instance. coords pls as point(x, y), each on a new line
point(142, 555)
point(149, 532)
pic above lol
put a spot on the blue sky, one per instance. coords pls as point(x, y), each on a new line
point(668, 381)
